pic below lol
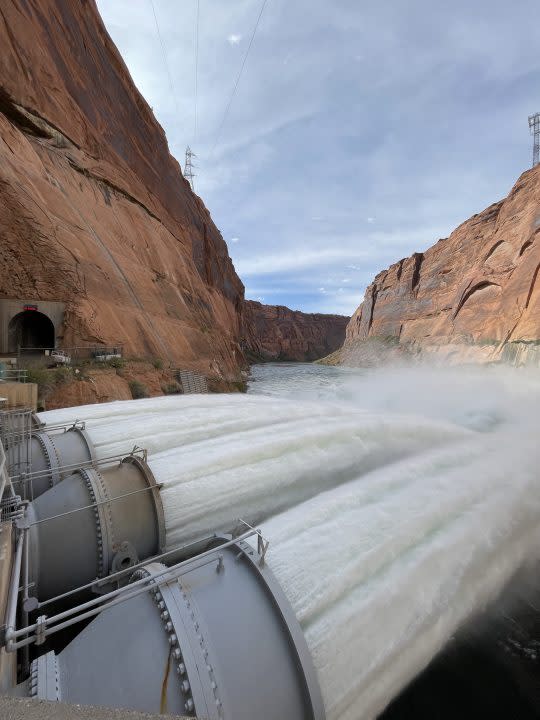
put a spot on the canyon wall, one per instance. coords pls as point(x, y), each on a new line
point(282, 334)
point(94, 211)
point(474, 296)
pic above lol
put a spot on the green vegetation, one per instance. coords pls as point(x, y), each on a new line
point(40, 376)
point(138, 390)
point(62, 375)
point(172, 388)
point(48, 379)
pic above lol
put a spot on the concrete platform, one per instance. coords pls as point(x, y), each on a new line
point(25, 709)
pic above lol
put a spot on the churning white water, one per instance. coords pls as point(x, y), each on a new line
point(397, 503)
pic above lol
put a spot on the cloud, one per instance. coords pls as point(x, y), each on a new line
point(289, 262)
point(235, 240)
point(313, 192)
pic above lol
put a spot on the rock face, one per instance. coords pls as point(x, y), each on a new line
point(94, 211)
point(282, 334)
point(473, 296)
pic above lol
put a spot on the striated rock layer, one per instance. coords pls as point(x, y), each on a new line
point(94, 211)
point(282, 334)
point(473, 296)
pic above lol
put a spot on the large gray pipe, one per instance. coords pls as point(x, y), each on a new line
point(221, 642)
point(70, 546)
point(51, 451)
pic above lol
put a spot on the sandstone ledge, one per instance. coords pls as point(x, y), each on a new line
point(472, 297)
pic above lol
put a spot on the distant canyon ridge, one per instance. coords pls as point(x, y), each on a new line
point(283, 334)
point(472, 297)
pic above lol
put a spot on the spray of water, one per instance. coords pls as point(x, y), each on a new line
point(398, 503)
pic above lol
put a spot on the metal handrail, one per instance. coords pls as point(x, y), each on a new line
point(4, 479)
point(80, 424)
point(63, 469)
point(47, 626)
point(119, 574)
point(77, 351)
point(15, 429)
point(110, 500)
point(14, 376)
point(64, 427)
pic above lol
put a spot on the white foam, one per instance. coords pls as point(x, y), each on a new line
point(397, 502)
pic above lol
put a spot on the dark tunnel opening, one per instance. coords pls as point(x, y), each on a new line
point(30, 329)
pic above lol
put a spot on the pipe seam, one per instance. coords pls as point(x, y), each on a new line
point(101, 564)
point(167, 616)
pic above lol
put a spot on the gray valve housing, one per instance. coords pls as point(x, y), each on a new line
point(50, 451)
point(70, 546)
point(220, 641)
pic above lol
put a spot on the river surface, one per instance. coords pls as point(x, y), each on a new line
point(402, 508)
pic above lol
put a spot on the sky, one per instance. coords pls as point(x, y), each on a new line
point(361, 131)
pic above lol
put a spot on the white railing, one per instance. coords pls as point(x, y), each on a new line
point(4, 478)
point(14, 638)
point(14, 375)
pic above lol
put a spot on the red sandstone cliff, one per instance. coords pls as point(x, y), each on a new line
point(474, 295)
point(94, 211)
point(282, 334)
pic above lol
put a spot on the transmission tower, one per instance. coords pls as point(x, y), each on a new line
point(534, 127)
point(188, 167)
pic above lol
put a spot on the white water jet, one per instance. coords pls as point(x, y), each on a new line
point(382, 571)
point(406, 499)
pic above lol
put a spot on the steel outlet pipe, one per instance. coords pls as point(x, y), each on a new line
point(93, 523)
point(218, 641)
point(51, 451)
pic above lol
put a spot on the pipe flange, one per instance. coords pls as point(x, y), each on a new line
point(102, 493)
point(102, 515)
point(49, 452)
point(200, 632)
point(148, 475)
point(57, 456)
point(34, 678)
point(172, 624)
point(86, 437)
point(44, 678)
point(36, 423)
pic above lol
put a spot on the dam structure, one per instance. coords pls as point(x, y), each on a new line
point(254, 556)
point(84, 539)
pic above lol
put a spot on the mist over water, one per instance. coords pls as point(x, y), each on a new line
point(397, 502)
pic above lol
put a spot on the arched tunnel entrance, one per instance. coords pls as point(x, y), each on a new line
point(30, 329)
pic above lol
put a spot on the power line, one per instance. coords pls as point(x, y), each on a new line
point(225, 114)
point(196, 66)
point(164, 53)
